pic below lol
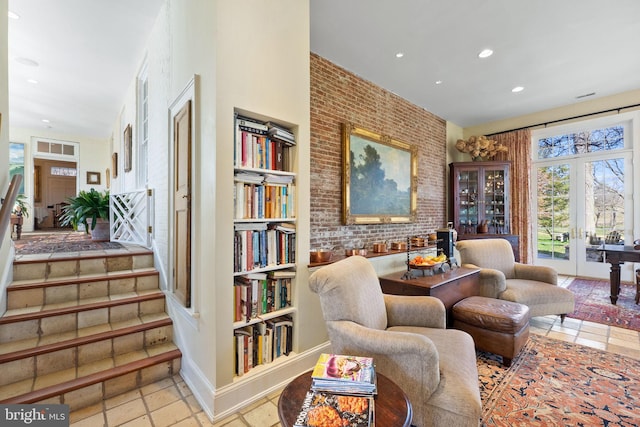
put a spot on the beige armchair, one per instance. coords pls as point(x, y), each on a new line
point(501, 277)
point(406, 336)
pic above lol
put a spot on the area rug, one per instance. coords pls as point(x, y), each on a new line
point(59, 241)
point(556, 383)
point(593, 304)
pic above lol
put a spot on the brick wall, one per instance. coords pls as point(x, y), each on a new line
point(339, 96)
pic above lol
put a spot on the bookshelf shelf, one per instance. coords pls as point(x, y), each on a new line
point(265, 269)
point(264, 317)
point(264, 243)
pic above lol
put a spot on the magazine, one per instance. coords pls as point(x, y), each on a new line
point(323, 409)
point(344, 374)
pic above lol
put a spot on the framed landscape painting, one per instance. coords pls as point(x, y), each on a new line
point(380, 176)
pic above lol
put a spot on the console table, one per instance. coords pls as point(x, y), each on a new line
point(449, 287)
point(617, 255)
point(392, 406)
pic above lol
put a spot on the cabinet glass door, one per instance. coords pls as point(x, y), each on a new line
point(494, 201)
point(468, 193)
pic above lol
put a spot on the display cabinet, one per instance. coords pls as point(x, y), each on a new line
point(479, 199)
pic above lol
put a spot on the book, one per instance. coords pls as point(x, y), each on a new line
point(328, 409)
point(339, 373)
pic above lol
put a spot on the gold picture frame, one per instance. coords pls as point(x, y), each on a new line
point(128, 142)
point(380, 178)
point(93, 178)
point(114, 164)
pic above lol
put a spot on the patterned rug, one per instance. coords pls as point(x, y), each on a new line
point(555, 383)
point(593, 304)
point(59, 241)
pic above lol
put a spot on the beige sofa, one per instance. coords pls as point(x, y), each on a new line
point(406, 336)
point(501, 277)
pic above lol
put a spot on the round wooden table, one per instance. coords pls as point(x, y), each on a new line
point(392, 406)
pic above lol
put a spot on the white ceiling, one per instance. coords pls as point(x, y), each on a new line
point(89, 51)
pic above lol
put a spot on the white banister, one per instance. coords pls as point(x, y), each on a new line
point(131, 217)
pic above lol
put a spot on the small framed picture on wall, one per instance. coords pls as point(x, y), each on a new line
point(93, 178)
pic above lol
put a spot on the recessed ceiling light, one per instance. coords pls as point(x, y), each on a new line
point(27, 61)
point(517, 89)
point(45, 120)
point(32, 81)
point(399, 54)
point(485, 53)
point(13, 15)
point(438, 82)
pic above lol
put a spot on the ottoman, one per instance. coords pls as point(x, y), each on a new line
point(497, 326)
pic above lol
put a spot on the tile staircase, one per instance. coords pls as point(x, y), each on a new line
point(84, 327)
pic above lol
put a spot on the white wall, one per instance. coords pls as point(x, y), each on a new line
point(6, 249)
point(265, 71)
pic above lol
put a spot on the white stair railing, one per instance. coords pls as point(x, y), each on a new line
point(131, 217)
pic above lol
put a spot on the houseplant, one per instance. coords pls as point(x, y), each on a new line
point(20, 207)
point(90, 208)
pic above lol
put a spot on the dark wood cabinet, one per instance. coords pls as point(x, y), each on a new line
point(479, 199)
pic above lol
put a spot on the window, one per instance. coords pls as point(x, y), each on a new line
point(143, 125)
point(582, 142)
point(16, 162)
point(62, 171)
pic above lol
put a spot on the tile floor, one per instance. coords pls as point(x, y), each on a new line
point(170, 402)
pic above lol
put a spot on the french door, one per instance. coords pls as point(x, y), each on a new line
point(583, 199)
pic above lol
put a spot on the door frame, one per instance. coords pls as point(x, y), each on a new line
point(631, 124)
point(187, 94)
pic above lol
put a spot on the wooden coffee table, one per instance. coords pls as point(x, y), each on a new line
point(449, 287)
point(392, 406)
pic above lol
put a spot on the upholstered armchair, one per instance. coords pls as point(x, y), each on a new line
point(501, 277)
point(406, 336)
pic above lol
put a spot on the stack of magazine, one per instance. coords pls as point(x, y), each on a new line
point(342, 393)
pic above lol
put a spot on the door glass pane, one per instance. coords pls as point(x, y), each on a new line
point(553, 211)
point(604, 208)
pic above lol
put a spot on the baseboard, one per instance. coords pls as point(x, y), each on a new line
point(256, 385)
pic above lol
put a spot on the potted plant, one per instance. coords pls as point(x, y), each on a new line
point(20, 207)
point(90, 208)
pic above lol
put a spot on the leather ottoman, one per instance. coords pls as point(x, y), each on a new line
point(497, 326)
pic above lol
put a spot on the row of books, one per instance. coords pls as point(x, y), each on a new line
point(262, 145)
point(260, 293)
point(254, 201)
point(262, 343)
point(261, 245)
point(342, 388)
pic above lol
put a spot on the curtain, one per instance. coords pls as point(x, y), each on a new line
point(518, 144)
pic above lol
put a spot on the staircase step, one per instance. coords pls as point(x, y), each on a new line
point(74, 264)
point(26, 348)
point(80, 389)
point(34, 322)
point(83, 327)
point(38, 292)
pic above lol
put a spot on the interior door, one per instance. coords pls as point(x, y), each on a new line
point(182, 205)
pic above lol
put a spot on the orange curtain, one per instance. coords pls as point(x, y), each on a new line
point(519, 153)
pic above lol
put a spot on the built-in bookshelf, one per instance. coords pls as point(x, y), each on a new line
point(264, 242)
